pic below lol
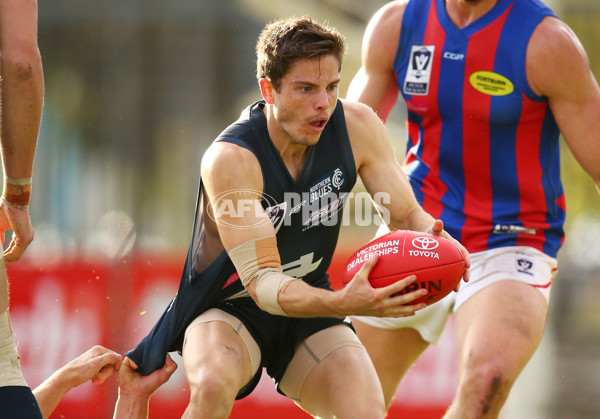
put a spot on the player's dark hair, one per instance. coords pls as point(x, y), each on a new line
point(286, 40)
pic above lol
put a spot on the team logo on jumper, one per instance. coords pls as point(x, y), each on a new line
point(490, 83)
point(418, 74)
point(525, 266)
point(332, 182)
point(277, 214)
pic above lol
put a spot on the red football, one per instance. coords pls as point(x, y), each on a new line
point(436, 261)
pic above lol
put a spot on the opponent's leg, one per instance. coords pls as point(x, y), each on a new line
point(392, 351)
point(217, 364)
point(498, 330)
point(331, 376)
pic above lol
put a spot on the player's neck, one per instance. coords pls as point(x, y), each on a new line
point(464, 12)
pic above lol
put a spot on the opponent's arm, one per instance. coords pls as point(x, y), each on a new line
point(136, 389)
point(375, 83)
point(233, 181)
point(558, 68)
point(383, 176)
point(96, 364)
point(22, 90)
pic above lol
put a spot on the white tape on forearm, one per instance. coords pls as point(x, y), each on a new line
point(260, 259)
point(10, 369)
point(269, 284)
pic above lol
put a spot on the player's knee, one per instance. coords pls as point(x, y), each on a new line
point(21, 60)
point(212, 393)
point(488, 388)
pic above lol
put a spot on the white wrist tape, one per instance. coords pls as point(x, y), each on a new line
point(260, 259)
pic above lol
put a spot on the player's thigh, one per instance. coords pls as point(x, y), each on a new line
point(342, 372)
point(392, 351)
point(216, 347)
point(506, 318)
point(18, 22)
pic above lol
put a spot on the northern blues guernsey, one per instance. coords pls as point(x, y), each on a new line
point(483, 148)
point(306, 214)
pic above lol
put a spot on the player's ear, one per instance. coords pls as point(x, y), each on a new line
point(266, 90)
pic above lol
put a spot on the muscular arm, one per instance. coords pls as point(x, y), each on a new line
point(375, 84)
point(22, 99)
point(383, 176)
point(558, 68)
point(97, 364)
point(232, 173)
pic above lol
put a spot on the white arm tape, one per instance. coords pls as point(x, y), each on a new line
point(260, 259)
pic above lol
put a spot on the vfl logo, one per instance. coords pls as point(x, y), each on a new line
point(525, 266)
point(425, 243)
point(420, 61)
point(418, 73)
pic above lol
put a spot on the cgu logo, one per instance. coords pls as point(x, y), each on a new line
point(430, 286)
point(453, 56)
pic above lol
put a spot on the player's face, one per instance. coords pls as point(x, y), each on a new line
point(306, 99)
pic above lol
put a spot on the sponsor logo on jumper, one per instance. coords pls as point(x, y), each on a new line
point(490, 83)
point(453, 56)
point(512, 229)
point(297, 269)
point(302, 267)
point(418, 73)
point(381, 249)
point(524, 266)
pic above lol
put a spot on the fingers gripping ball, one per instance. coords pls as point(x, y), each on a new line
point(437, 262)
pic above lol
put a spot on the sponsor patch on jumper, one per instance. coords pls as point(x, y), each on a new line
point(490, 83)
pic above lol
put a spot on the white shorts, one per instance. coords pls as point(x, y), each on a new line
point(517, 263)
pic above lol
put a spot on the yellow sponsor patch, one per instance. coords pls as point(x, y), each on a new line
point(490, 83)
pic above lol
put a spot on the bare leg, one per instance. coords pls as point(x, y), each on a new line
point(498, 330)
point(334, 390)
point(217, 365)
point(392, 352)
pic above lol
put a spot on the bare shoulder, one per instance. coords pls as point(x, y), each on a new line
point(554, 56)
point(229, 164)
point(383, 30)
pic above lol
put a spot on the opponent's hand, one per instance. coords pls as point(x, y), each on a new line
point(359, 298)
point(97, 364)
point(19, 222)
point(133, 383)
point(438, 228)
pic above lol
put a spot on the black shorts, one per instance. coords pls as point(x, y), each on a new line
point(18, 402)
point(276, 336)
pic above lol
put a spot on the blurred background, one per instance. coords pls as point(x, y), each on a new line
point(135, 92)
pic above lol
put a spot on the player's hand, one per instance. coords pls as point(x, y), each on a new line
point(438, 228)
point(360, 298)
point(135, 385)
point(96, 364)
point(19, 222)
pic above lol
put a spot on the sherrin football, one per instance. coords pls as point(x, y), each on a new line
point(437, 262)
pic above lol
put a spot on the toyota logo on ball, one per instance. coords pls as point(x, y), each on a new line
point(425, 243)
